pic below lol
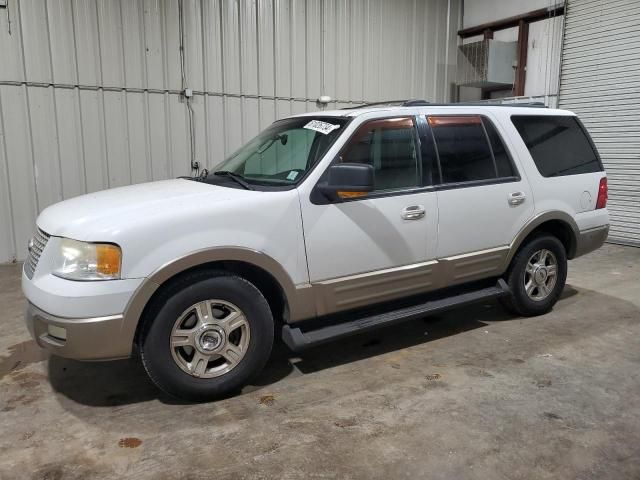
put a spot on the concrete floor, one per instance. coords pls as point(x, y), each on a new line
point(474, 393)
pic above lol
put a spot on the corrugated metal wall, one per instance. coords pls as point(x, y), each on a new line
point(600, 81)
point(90, 89)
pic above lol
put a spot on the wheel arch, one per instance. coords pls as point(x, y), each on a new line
point(556, 223)
point(286, 300)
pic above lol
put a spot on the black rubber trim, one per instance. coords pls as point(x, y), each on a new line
point(476, 183)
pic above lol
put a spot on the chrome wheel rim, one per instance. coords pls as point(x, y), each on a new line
point(541, 275)
point(210, 338)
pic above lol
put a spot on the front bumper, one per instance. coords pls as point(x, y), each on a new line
point(96, 338)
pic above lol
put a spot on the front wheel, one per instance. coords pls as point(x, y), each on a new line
point(537, 276)
point(206, 336)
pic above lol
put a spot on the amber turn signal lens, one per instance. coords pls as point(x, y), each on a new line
point(108, 259)
point(352, 194)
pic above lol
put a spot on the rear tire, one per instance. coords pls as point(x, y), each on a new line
point(536, 277)
point(206, 335)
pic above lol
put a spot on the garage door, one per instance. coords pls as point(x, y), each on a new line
point(600, 81)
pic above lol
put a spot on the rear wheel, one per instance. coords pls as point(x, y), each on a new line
point(537, 276)
point(206, 336)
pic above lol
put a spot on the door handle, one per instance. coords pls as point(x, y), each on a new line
point(517, 198)
point(414, 212)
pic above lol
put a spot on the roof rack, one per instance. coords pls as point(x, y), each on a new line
point(424, 103)
point(399, 103)
point(415, 103)
point(496, 104)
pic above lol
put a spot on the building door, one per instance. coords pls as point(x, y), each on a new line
point(599, 82)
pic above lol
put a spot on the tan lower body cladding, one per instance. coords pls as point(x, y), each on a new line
point(368, 288)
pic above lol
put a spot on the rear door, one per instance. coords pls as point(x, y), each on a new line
point(483, 201)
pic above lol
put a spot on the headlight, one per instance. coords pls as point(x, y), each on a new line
point(87, 261)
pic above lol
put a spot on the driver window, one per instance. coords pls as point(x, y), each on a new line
point(389, 145)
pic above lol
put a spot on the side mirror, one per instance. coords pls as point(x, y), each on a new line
point(348, 180)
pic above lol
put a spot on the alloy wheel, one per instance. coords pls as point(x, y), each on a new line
point(210, 338)
point(541, 275)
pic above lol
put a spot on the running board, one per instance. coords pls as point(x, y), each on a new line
point(297, 339)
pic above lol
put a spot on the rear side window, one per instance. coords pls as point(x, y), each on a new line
point(559, 145)
point(469, 149)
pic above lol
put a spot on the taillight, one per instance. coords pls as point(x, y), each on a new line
point(603, 193)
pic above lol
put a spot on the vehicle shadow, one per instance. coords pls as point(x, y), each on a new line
point(124, 382)
point(407, 334)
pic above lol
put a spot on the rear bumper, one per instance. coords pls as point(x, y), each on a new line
point(97, 338)
point(590, 240)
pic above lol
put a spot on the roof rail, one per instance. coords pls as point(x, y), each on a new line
point(501, 104)
point(415, 103)
point(481, 104)
point(397, 103)
point(424, 103)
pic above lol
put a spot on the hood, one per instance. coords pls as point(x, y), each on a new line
point(102, 216)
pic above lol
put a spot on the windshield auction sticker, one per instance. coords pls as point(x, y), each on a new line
point(322, 127)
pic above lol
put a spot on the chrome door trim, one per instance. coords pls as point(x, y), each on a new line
point(517, 198)
point(413, 212)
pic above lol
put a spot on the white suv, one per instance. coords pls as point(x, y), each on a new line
point(325, 225)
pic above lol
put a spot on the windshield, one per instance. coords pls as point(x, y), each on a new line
point(283, 153)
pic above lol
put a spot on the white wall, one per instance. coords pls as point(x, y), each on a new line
point(543, 57)
point(90, 90)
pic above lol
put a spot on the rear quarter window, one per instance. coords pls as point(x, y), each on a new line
point(559, 145)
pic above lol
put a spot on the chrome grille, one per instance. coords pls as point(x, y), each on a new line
point(36, 246)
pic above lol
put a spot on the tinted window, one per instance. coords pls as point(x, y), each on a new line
point(558, 144)
point(463, 149)
point(500, 154)
point(389, 146)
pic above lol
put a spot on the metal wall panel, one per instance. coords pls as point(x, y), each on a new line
point(7, 230)
point(599, 81)
point(90, 90)
point(17, 146)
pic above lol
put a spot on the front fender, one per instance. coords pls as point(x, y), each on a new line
point(298, 298)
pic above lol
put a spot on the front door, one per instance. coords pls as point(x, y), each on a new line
point(377, 248)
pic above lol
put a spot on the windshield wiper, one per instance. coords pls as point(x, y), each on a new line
point(239, 179)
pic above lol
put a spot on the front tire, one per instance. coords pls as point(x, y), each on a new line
point(206, 335)
point(536, 277)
